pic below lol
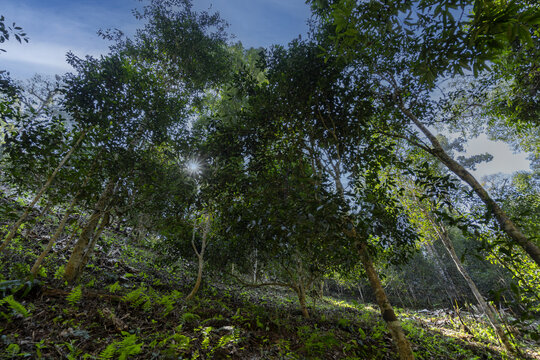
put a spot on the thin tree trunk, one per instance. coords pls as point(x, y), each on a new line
point(394, 326)
point(53, 238)
point(72, 268)
point(442, 272)
point(200, 257)
point(44, 188)
point(43, 212)
point(413, 295)
point(486, 307)
point(301, 292)
point(105, 221)
point(255, 268)
point(504, 220)
point(59, 230)
point(361, 294)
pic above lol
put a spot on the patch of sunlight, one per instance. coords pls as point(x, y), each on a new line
point(347, 305)
point(339, 303)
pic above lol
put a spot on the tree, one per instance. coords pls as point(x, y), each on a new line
point(290, 139)
point(40, 146)
point(381, 41)
point(434, 228)
point(140, 98)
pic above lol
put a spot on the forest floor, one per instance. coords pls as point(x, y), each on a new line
point(128, 307)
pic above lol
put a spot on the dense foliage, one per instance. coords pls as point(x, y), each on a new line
point(178, 170)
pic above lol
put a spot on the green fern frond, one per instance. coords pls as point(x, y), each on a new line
point(75, 296)
point(15, 306)
point(109, 352)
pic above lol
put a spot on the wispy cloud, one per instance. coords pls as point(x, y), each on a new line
point(56, 27)
point(504, 160)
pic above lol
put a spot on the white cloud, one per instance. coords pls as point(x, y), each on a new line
point(53, 31)
point(504, 159)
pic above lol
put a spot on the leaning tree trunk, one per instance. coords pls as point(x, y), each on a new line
point(200, 257)
point(105, 221)
point(53, 238)
point(44, 188)
point(394, 326)
point(502, 218)
point(485, 306)
point(59, 230)
point(72, 270)
point(41, 215)
point(443, 274)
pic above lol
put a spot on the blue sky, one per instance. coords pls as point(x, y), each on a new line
point(58, 26)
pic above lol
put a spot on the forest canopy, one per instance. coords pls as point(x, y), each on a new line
point(181, 175)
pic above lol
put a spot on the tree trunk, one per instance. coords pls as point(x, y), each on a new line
point(105, 221)
point(394, 326)
point(255, 268)
point(442, 272)
point(44, 188)
point(200, 257)
point(504, 221)
point(301, 292)
point(53, 238)
point(43, 212)
point(360, 292)
point(59, 230)
point(387, 312)
point(72, 270)
point(486, 307)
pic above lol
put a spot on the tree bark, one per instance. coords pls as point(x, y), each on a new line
point(200, 257)
point(301, 292)
point(486, 307)
point(105, 221)
point(72, 270)
point(394, 326)
point(53, 238)
point(44, 188)
point(506, 224)
point(442, 272)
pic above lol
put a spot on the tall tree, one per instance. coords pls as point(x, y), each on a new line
point(405, 50)
point(139, 98)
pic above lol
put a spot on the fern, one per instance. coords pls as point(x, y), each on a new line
point(75, 296)
point(59, 273)
point(125, 348)
point(114, 287)
point(168, 304)
point(139, 298)
point(15, 306)
point(135, 295)
point(128, 346)
point(189, 317)
point(109, 352)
